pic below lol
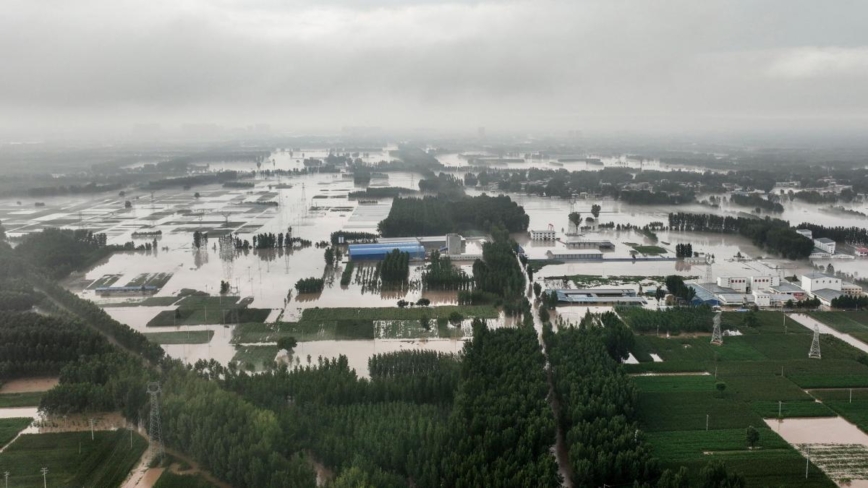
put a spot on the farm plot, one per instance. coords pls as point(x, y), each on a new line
point(72, 458)
point(9, 428)
point(181, 337)
point(841, 462)
point(255, 357)
point(26, 399)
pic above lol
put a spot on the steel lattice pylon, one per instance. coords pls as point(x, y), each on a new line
point(815, 345)
point(716, 336)
point(155, 429)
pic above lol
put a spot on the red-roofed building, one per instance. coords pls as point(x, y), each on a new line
point(862, 251)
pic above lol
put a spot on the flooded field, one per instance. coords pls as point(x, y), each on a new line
point(836, 446)
point(315, 205)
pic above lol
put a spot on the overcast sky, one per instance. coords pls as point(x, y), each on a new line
point(528, 65)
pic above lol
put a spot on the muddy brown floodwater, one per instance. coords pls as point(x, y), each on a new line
point(28, 385)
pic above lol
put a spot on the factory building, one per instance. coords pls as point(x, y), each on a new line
point(851, 289)
point(379, 250)
point(764, 283)
point(589, 244)
point(825, 244)
point(738, 284)
point(543, 235)
point(812, 282)
point(600, 296)
point(586, 255)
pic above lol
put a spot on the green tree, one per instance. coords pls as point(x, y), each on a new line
point(674, 479)
point(720, 386)
point(575, 219)
point(752, 436)
point(455, 319)
point(544, 314)
point(750, 319)
point(715, 475)
point(537, 289)
point(595, 210)
point(287, 343)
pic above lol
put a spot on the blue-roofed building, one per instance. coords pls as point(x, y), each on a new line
point(706, 294)
point(378, 251)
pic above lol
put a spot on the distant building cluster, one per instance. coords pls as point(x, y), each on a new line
point(771, 291)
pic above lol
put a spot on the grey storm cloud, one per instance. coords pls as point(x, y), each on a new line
point(510, 64)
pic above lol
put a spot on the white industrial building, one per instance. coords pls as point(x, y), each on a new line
point(806, 232)
point(738, 284)
point(542, 235)
point(584, 255)
point(812, 282)
point(763, 283)
point(825, 244)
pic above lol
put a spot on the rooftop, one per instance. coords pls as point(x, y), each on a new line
point(786, 287)
point(825, 240)
point(827, 294)
point(815, 276)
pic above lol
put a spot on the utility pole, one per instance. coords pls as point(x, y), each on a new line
point(807, 459)
point(45, 477)
point(91, 429)
point(6, 476)
point(706, 421)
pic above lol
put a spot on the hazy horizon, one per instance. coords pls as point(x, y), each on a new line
point(100, 67)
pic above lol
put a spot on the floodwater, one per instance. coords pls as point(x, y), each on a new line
point(838, 447)
point(28, 385)
point(316, 205)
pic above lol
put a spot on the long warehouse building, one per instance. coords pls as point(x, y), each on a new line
point(378, 251)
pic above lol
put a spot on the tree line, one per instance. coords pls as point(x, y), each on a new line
point(439, 215)
point(850, 235)
point(772, 234)
point(440, 274)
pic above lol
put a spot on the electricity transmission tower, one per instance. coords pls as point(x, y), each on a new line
point(815, 345)
point(155, 430)
point(716, 336)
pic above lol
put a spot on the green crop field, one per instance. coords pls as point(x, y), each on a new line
point(765, 365)
point(9, 428)
point(675, 383)
point(687, 410)
point(700, 349)
point(772, 463)
point(667, 367)
point(806, 408)
point(202, 316)
point(181, 337)
point(72, 458)
point(846, 322)
point(13, 400)
point(259, 356)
